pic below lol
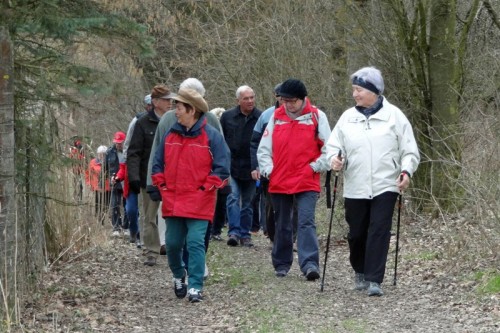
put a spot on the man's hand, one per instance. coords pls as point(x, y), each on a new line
point(154, 193)
point(255, 175)
point(135, 186)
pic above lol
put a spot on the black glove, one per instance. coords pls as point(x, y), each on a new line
point(135, 186)
point(154, 192)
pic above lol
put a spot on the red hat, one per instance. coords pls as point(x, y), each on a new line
point(119, 137)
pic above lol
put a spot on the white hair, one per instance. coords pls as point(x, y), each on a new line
point(195, 84)
point(242, 89)
point(372, 75)
point(218, 112)
point(102, 149)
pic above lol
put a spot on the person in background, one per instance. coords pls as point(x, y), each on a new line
point(138, 154)
point(266, 207)
point(220, 216)
point(98, 183)
point(256, 213)
point(291, 154)
point(190, 164)
point(132, 198)
point(378, 150)
point(114, 156)
point(237, 125)
point(77, 156)
point(164, 126)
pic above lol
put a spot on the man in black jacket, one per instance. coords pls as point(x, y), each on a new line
point(237, 125)
point(138, 154)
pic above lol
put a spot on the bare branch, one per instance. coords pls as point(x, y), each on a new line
point(491, 11)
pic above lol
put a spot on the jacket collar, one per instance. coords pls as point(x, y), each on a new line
point(384, 113)
point(280, 112)
point(152, 116)
point(194, 131)
point(252, 114)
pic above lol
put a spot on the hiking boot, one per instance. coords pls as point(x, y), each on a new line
point(281, 273)
point(359, 282)
point(163, 250)
point(246, 242)
point(374, 289)
point(195, 295)
point(232, 240)
point(312, 274)
point(150, 261)
point(133, 238)
point(180, 287)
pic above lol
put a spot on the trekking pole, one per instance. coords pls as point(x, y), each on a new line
point(330, 227)
point(397, 234)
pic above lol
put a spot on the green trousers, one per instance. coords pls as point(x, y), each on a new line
point(182, 230)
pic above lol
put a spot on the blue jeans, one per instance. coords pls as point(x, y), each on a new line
point(182, 230)
point(239, 207)
point(132, 208)
point(307, 240)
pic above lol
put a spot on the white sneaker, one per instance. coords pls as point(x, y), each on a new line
point(194, 295)
point(116, 233)
point(206, 273)
point(126, 232)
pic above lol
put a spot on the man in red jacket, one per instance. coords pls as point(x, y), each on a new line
point(291, 155)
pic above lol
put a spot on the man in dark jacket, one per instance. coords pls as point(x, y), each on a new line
point(138, 154)
point(114, 155)
point(237, 125)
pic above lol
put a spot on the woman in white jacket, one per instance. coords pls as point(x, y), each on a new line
point(378, 148)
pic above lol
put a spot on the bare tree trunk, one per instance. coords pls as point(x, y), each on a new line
point(443, 86)
point(8, 224)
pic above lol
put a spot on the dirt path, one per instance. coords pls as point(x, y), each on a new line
point(108, 289)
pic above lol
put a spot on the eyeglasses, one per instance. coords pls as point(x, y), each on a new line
point(289, 100)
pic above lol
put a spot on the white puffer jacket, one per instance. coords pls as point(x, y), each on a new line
point(375, 150)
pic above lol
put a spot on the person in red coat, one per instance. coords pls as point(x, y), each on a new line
point(97, 182)
point(190, 165)
point(291, 154)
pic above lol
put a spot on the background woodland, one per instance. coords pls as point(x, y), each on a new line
point(80, 69)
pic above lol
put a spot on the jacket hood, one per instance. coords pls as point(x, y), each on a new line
point(194, 131)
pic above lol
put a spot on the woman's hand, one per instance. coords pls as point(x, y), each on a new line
point(337, 163)
point(403, 182)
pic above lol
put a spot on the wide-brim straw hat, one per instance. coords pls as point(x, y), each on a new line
point(193, 98)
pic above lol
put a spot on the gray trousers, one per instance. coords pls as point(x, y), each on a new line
point(307, 239)
point(149, 232)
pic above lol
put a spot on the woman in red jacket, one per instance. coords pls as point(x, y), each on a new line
point(95, 180)
point(190, 164)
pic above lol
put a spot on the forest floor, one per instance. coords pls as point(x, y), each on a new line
point(108, 289)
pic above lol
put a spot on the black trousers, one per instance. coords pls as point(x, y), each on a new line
point(220, 212)
point(370, 222)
